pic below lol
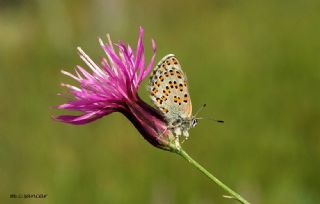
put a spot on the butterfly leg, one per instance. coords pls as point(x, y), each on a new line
point(177, 132)
point(186, 136)
point(177, 142)
point(164, 131)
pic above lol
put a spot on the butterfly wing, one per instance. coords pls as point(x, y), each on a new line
point(169, 90)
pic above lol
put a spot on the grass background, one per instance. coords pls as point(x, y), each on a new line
point(254, 63)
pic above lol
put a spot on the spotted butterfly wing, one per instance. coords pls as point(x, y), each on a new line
point(169, 90)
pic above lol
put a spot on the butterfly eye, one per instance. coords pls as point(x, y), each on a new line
point(194, 122)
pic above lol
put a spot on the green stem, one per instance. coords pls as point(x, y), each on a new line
point(233, 194)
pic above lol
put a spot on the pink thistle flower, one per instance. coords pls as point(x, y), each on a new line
point(111, 87)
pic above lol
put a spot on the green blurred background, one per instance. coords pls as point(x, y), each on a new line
point(254, 63)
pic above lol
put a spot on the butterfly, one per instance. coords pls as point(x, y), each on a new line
point(169, 93)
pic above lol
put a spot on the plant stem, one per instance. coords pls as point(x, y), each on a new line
point(233, 194)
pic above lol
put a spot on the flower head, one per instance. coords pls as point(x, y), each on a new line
point(112, 87)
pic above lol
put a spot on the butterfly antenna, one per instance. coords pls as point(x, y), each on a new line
point(215, 120)
point(200, 109)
